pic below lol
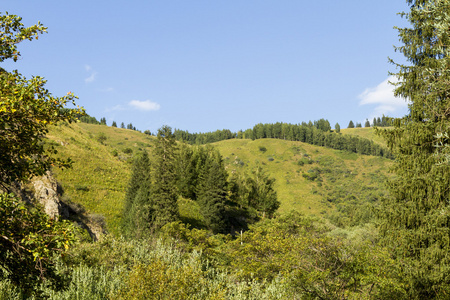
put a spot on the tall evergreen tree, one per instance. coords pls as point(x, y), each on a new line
point(367, 124)
point(114, 124)
point(415, 219)
point(187, 175)
point(164, 190)
point(351, 124)
point(137, 214)
point(212, 192)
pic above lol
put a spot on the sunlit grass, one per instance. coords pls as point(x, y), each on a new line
point(102, 168)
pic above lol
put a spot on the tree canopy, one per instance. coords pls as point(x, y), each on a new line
point(26, 109)
point(29, 239)
point(416, 216)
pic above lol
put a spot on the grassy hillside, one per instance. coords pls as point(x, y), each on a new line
point(338, 172)
point(365, 132)
point(310, 179)
point(100, 173)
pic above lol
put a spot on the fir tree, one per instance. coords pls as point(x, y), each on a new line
point(367, 124)
point(138, 207)
point(164, 192)
point(114, 124)
point(212, 192)
point(415, 219)
point(351, 124)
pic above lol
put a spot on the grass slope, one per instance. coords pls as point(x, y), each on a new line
point(98, 179)
point(338, 169)
point(365, 132)
point(101, 170)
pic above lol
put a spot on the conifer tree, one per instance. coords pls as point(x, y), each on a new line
point(137, 215)
point(187, 174)
point(351, 124)
point(212, 192)
point(367, 124)
point(164, 191)
point(415, 219)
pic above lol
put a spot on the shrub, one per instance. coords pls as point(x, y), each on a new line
point(101, 138)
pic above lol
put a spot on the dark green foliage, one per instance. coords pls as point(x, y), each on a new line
point(367, 124)
point(147, 132)
point(164, 190)
point(101, 138)
point(255, 191)
point(323, 125)
point(127, 150)
point(137, 215)
point(122, 125)
point(187, 166)
point(317, 133)
point(262, 149)
point(415, 218)
point(103, 121)
point(88, 119)
point(351, 124)
point(337, 128)
point(28, 241)
point(212, 192)
point(114, 124)
point(203, 138)
point(358, 125)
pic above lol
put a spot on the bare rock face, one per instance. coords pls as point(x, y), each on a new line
point(46, 192)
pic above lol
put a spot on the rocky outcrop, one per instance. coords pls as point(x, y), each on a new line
point(46, 193)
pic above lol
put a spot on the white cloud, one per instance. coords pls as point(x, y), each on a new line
point(382, 96)
point(144, 105)
point(91, 77)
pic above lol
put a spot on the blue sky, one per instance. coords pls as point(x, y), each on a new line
point(207, 65)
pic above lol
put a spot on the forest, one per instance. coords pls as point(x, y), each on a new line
point(279, 211)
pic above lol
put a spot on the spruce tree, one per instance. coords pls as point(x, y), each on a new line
point(212, 192)
point(351, 124)
point(164, 191)
point(137, 210)
point(415, 219)
point(367, 124)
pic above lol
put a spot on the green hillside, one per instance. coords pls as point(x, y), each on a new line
point(339, 174)
point(365, 132)
point(310, 179)
point(100, 172)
